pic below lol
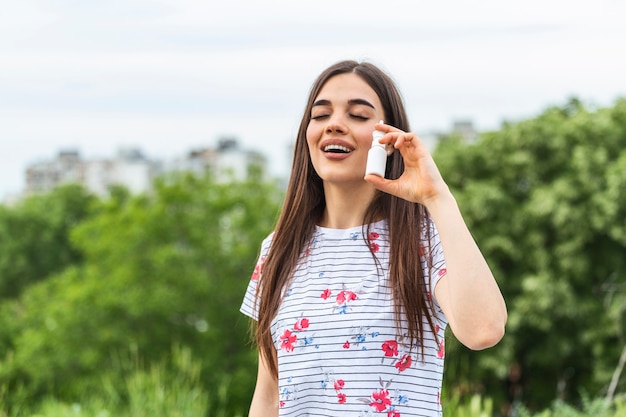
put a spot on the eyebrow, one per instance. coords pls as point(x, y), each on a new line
point(353, 102)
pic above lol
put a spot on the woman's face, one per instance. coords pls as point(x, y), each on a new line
point(339, 134)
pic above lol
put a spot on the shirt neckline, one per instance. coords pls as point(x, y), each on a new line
point(350, 231)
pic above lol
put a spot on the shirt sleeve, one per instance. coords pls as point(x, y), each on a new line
point(438, 266)
point(248, 306)
point(434, 261)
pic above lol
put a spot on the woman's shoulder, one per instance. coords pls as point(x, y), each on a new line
point(267, 242)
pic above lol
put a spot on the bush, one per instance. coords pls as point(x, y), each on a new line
point(171, 389)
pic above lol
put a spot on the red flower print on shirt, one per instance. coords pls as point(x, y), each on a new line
point(287, 341)
point(442, 350)
point(393, 413)
point(380, 400)
point(339, 384)
point(301, 324)
point(442, 272)
point(344, 296)
point(257, 269)
point(390, 347)
point(326, 294)
point(404, 363)
point(346, 345)
point(341, 397)
point(375, 247)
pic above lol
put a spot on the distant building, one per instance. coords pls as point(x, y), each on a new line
point(226, 162)
point(460, 128)
point(67, 167)
point(465, 129)
point(131, 169)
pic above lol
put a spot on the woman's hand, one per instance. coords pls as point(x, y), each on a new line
point(421, 181)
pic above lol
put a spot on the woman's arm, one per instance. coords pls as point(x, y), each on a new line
point(468, 294)
point(265, 397)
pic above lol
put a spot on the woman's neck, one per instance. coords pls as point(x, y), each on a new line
point(346, 206)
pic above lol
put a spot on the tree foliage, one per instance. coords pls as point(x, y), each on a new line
point(546, 201)
point(159, 270)
point(34, 237)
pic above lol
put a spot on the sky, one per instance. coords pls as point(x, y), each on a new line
point(170, 76)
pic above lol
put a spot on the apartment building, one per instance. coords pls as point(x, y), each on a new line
point(132, 169)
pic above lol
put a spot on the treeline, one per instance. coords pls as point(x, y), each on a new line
point(546, 200)
point(95, 290)
point(98, 294)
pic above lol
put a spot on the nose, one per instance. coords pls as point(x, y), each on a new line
point(335, 125)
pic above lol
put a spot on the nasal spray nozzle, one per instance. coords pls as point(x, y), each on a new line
point(377, 155)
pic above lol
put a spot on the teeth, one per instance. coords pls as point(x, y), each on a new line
point(334, 148)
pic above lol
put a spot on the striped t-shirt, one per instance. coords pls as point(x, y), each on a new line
point(338, 350)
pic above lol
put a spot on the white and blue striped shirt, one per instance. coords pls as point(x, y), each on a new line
point(339, 353)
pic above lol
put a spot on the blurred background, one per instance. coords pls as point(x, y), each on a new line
point(144, 151)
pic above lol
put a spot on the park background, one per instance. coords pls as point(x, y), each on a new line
point(127, 305)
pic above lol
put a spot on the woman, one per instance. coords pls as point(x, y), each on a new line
point(355, 287)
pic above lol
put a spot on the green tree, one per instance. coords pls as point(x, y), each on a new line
point(34, 237)
point(546, 201)
point(160, 270)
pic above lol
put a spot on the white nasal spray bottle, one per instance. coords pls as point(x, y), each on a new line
point(377, 155)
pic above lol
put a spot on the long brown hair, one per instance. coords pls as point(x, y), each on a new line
point(303, 208)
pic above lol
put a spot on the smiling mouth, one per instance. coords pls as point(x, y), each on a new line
point(336, 149)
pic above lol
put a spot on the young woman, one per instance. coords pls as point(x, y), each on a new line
point(355, 287)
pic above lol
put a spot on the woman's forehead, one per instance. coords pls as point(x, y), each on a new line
point(347, 88)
